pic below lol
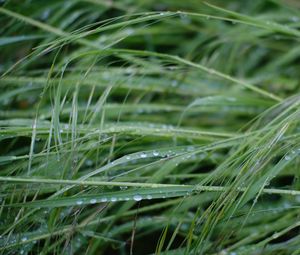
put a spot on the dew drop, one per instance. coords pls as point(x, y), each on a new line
point(191, 148)
point(89, 162)
point(129, 31)
point(143, 155)
point(149, 197)
point(93, 201)
point(24, 239)
point(137, 197)
point(79, 202)
point(155, 153)
point(113, 199)
point(287, 157)
point(45, 14)
point(129, 70)
point(174, 83)
point(104, 199)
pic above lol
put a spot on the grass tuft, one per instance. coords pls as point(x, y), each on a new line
point(138, 127)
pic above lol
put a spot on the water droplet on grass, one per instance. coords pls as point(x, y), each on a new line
point(113, 199)
point(137, 197)
point(93, 201)
point(45, 14)
point(89, 162)
point(129, 31)
point(191, 148)
point(174, 83)
point(79, 202)
point(287, 157)
point(149, 197)
point(155, 153)
point(143, 155)
point(24, 239)
point(104, 199)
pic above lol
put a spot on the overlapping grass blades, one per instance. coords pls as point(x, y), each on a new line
point(138, 128)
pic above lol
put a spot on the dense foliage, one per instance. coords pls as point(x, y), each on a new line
point(141, 127)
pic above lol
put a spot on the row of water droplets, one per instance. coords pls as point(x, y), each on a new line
point(136, 197)
point(141, 155)
point(178, 155)
point(156, 153)
point(292, 154)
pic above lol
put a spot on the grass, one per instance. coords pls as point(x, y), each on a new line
point(138, 127)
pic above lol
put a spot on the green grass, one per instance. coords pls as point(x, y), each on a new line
point(150, 127)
